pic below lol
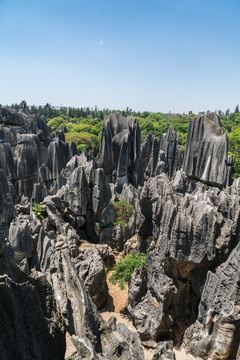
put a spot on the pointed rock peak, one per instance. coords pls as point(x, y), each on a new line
point(171, 135)
point(215, 118)
point(23, 106)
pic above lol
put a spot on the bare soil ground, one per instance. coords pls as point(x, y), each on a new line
point(115, 304)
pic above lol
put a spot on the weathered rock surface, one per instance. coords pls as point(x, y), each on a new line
point(23, 149)
point(24, 329)
point(191, 234)
point(206, 151)
point(164, 351)
point(67, 270)
point(20, 238)
point(92, 272)
point(120, 147)
point(160, 156)
point(216, 333)
point(7, 209)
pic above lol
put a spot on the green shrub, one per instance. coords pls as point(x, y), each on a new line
point(123, 211)
point(124, 269)
point(38, 210)
point(81, 147)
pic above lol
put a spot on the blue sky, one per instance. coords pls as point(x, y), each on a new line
point(156, 55)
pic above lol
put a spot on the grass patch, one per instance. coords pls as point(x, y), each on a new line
point(123, 211)
point(106, 270)
point(123, 269)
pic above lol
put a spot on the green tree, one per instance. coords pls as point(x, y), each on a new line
point(124, 269)
point(234, 148)
point(145, 114)
point(56, 123)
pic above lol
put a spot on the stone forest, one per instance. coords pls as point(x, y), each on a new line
point(59, 239)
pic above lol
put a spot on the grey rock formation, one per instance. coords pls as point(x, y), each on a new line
point(120, 145)
point(73, 303)
point(206, 151)
point(20, 238)
point(190, 234)
point(160, 156)
point(172, 151)
point(92, 337)
point(92, 272)
point(31, 124)
point(216, 333)
point(57, 157)
point(24, 145)
point(164, 351)
point(184, 217)
point(7, 210)
point(101, 194)
point(78, 193)
point(116, 236)
point(7, 161)
point(120, 342)
point(24, 329)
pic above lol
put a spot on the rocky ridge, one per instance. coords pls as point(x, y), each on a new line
point(186, 215)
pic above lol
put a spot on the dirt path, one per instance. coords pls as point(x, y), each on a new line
point(117, 301)
point(115, 304)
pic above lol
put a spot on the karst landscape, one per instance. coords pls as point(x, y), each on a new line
point(59, 239)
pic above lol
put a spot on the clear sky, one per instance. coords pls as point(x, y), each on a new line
point(156, 55)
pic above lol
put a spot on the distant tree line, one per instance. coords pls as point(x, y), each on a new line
point(48, 111)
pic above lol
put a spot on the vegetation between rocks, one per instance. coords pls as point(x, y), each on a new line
point(38, 210)
point(124, 268)
point(123, 212)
